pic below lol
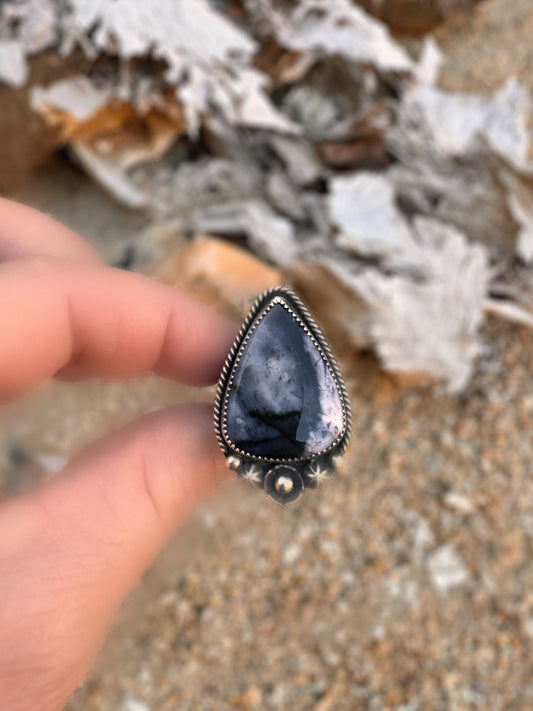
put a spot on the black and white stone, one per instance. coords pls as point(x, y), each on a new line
point(282, 401)
point(281, 398)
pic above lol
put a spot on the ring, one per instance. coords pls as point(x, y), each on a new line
point(282, 413)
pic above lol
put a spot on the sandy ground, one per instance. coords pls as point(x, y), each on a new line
point(404, 583)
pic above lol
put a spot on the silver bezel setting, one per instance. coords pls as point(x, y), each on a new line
point(252, 467)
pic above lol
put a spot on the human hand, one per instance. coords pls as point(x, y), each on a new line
point(71, 550)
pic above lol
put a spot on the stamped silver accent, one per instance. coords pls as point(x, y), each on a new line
point(317, 473)
point(253, 475)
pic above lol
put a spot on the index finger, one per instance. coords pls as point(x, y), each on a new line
point(91, 320)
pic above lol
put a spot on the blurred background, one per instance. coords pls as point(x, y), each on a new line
point(377, 157)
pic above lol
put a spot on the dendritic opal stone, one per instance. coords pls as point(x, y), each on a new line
point(282, 401)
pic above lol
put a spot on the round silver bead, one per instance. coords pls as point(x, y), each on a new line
point(233, 462)
point(284, 484)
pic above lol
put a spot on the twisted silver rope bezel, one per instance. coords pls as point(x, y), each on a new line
point(260, 307)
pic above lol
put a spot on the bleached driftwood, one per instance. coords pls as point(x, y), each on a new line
point(325, 27)
point(400, 257)
point(423, 323)
point(26, 28)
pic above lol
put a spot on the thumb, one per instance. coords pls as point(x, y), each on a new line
point(71, 551)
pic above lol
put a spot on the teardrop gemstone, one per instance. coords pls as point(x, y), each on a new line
point(282, 400)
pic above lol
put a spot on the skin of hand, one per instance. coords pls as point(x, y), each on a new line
point(71, 550)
